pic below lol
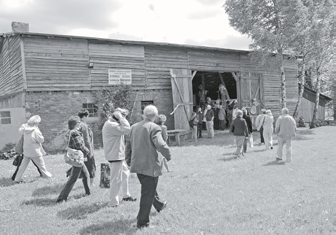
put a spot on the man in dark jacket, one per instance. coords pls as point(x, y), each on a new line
point(240, 131)
point(145, 139)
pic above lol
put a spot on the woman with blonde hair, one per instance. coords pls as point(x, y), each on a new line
point(32, 148)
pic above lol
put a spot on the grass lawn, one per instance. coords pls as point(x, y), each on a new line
point(208, 192)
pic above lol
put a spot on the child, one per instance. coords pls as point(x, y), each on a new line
point(160, 120)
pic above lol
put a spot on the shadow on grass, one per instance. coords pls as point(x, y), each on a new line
point(305, 132)
point(274, 163)
point(6, 182)
point(114, 227)
point(81, 211)
point(40, 202)
point(224, 159)
point(47, 190)
point(301, 137)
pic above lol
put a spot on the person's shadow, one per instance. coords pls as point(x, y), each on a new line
point(47, 190)
point(6, 182)
point(81, 211)
point(275, 162)
point(113, 227)
point(40, 202)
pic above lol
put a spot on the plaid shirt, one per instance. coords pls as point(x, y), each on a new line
point(77, 142)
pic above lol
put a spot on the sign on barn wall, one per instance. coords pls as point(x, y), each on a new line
point(119, 76)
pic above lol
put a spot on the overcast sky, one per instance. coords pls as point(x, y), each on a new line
point(192, 22)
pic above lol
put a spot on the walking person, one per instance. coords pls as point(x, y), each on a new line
point(258, 122)
point(113, 133)
point(247, 118)
point(145, 139)
point(285, 128)
point(240, 132)
point(32, 148)
point(209, 117)
point(160, 121)
point(76, 141)
point(267, 126)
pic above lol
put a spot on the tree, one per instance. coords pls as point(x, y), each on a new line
point(322, 40)
point(269, 23)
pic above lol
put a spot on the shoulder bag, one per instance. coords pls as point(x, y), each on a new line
point(73, 157)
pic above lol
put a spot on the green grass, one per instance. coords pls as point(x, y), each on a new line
point(208, 192)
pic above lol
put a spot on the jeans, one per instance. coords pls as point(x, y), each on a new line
point(76, 171)
point(199, 129)
point(194, 133)
point(149, 197)
point(239, 143)
point(261, 135)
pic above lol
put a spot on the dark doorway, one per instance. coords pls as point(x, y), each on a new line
point(212, 81)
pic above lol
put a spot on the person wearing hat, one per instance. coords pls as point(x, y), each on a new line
point(113, 133)
point(259, 123)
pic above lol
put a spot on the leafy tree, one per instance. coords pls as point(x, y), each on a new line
point(270, 25)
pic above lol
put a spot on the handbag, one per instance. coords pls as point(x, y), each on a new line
point(19, 146)
point(74, 157)
point(17, 160)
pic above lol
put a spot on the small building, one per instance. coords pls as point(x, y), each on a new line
point(54, 76)
point(308, 103)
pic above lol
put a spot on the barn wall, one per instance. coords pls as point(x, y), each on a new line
point(56, 64)
point(11, 78)
point(307, 109)
point(333, 73)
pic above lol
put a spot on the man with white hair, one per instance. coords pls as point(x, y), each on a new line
point(142, 146)
point(285, 128)
point(113, 133)
point(209, 117)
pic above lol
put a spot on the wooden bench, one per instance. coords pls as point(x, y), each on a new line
point(177, 133)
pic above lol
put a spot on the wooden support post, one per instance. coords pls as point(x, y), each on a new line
point(193, 75)
point(222, 80)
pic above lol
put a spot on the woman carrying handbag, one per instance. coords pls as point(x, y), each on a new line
point(76, 142)
point(32, 148)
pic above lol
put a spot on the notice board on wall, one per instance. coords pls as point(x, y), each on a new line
point(119, 77)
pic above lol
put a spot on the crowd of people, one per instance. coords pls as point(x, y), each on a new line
point(142, 148)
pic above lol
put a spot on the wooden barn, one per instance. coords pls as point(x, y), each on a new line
point(54, 76)
point(308, 103)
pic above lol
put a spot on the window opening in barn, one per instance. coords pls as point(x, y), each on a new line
point(92, 108)
point(145, 103)
point(5, 117)
point(217, 86)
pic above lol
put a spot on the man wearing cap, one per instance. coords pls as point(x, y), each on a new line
point(142, 146)
point(113, 133)
point(259, 122)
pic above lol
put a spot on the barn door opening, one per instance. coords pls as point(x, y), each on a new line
point(215, 85)
point(182, 97)
point(251, 93)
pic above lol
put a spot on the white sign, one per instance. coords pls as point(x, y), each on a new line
point(119, 76)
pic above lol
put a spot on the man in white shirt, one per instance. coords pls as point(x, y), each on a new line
point(258, 122)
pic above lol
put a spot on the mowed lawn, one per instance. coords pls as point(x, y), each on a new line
point(208, 192)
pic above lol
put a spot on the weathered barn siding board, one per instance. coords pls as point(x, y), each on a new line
point(11, 66)
point(56, 64)
point(307, 109)
point(159, 61)
point(13, 101)
point(116, 56)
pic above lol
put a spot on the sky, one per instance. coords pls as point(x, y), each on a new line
point(191, 22)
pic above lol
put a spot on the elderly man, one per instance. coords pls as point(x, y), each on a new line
point(285, 128)
point(113, 132)
point(145, 139)
point(258, 122)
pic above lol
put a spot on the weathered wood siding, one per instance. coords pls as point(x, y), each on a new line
point(307, 109)
point(159, 60)
point(11, 80)
point(116, 56)
point(56, 64)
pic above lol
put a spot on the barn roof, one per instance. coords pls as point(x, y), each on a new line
point(106, 40)
point(312, 92)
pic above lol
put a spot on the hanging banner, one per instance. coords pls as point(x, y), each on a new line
point(119, 77)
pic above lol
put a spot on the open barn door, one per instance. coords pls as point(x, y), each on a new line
point(182, 97)
point(251, 87)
